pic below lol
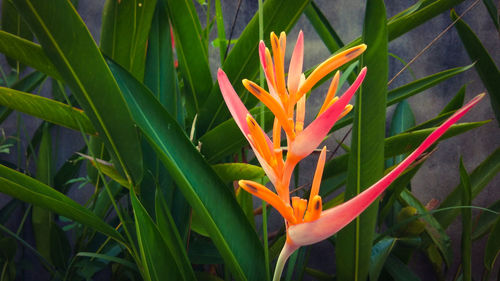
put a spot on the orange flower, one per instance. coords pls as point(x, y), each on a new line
point(305, 220)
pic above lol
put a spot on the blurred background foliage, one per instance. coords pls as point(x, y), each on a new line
point(153, 122)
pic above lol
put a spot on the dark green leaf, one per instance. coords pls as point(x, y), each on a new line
point(466, 223)
point(77, 58)
point(157, 259)
point(483, 224)
point(191, 50)
point(492, 10)
point(124, 33)
point(380, 252)
point(479, 178)
point(230, 172)
point(203, 189)
point(399, 271)
point(323, 28)
point(485, 66)
point(492, 246)
point(14, 24)
point(32, 191)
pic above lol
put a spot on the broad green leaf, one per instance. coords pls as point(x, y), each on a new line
point(485, 65)
point(170, 235)
point(492, 246)
point(215, 146)
point(399, 25)
point(157, 260)
point(32, 191)
point(14, 24)
point(42, 219)
point(230, 172)
point(323, 28)
point(124, 33)
point(121, 261)
point(206, 193)
point(380, 252)
point(191, 51)
point(479, 178)
point(27, 53)
point(47, 109)
point(366, 160)
point(396, 95)
point(435, 231)
point(466, 223)
point(26, 84)
point(77, 58)
point(243, 60)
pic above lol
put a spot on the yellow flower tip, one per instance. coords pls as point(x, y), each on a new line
point(347, 109)
point(314, 209)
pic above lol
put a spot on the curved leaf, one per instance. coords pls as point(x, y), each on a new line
point(32, 191)
point(69, 44)
point(47, 109)
point(206, 193)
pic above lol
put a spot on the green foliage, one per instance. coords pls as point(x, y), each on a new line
point(163, 155)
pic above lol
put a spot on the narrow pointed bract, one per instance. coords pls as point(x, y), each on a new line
point(305, 220)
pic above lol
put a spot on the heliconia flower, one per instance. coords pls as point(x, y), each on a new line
point(305, 220)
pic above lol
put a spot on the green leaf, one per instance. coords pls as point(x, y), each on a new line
point(492, 10)
point(230, 172)
point(402, 120)
point(221, 33)
point(456, 102)
point(380, 252)
point(492, 246)
point(27, 53)
point(366, 160)
point(41, 218)
point(399, 25)
point(479, 178)
point(435, 231)
point(14, 24)
point(466, 223)
point(484, 222)
point(191, 51)
point(243, 60)
point(170, 235)
point(108, 169)
point(77, 58)
point(157, 260)
point(32, 191)
point(399, 144)
point(485, 66)
point(325, 31)
point(47, 109)
point(205, 192)
point(396, 95)
point(399, 271)
point(124, 33)
point(123, 262)
point(26, 84)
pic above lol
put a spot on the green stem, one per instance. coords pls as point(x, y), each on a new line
point(287, 250)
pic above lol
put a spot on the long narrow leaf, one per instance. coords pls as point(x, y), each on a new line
point(366, 160)
point(32, 191)
point(207, 195)
point(485, 66)
point(47, 109)
point(69, 44)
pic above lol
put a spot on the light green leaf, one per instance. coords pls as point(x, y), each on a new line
point(230, 172)
point(47, 109)
point(366, 160)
